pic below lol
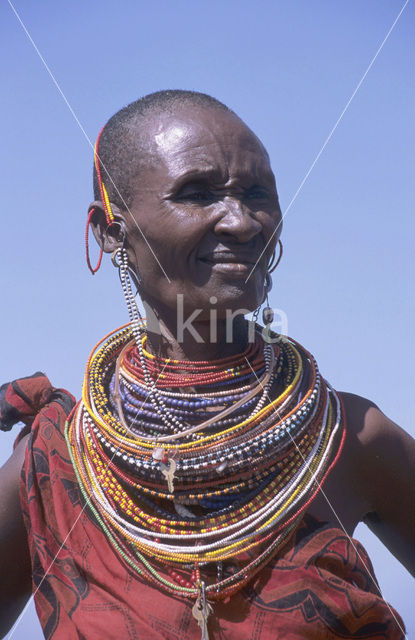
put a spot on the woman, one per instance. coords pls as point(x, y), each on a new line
point(209, 481)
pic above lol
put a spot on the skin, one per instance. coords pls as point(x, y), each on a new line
point(15, 585)
point(232, 211)
point(214, 209)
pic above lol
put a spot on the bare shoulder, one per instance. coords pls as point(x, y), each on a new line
point(15, 580)
point(384, 462)
point(378, 442)
point(369, 423)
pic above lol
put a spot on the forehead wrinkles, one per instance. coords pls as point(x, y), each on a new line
point(228, 145)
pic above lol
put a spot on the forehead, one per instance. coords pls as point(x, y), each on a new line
point(205, 139)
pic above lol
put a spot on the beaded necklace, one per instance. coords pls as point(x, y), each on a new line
point(224, 479)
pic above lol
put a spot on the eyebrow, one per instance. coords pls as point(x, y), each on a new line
point(215, 174)
point(197, 174)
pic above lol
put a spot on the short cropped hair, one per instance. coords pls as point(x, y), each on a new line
point(120, 146)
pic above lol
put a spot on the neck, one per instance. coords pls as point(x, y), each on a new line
point(198, 342)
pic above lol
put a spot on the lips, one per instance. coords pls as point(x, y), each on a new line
point(237, 264)
point(228, 257)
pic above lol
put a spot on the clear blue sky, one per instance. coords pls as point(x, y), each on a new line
point(287, 68)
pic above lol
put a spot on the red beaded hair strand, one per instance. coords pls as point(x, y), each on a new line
point(106, 206)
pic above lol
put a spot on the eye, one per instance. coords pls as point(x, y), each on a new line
point(195, 193)
point(257, 193)
point(198, 196)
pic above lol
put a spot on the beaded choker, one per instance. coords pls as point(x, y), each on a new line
point(196, 503)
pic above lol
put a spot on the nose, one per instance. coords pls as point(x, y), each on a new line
point(236, 220)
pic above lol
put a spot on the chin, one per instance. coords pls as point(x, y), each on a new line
point(230, 304)
point(218, 301)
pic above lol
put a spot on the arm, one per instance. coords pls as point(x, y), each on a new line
point(15, 571)
point(386, 470)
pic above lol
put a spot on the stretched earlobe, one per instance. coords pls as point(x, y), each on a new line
point(109, 236)
point(92, 269)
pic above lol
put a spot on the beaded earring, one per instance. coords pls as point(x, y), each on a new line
point(138, 328)
point(268, 312)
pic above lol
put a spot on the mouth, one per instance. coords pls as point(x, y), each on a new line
point(229, 262)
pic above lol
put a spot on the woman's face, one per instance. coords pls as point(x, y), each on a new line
point(207, 205)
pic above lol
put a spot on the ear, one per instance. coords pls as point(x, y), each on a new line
point(108, 237)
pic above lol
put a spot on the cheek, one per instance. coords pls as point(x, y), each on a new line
point(271, 222)
point(163, 267)
point(171, 235)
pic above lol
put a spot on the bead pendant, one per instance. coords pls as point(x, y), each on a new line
point(167, 469)
point(267, 315)
point(201, 611)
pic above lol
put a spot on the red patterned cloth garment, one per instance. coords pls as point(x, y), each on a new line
point(318, 587)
